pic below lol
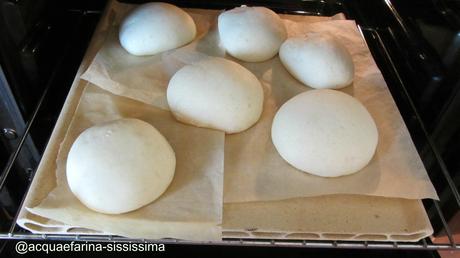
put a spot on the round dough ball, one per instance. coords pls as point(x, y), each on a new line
point(318, 60)
point(120, 166)
point(156, 27)
point(251, 34)
point(325, 132)
point(216, 93)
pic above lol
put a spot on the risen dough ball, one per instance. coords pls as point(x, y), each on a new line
point(216, 93)
point(318, 60)
point(252, 34)
point(120, 166)
point(325, 132)
point(156, 27)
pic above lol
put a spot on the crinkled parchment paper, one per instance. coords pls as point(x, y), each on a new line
point(191, 208)
point(146, 78)
point(254, 171)
point(250, 157)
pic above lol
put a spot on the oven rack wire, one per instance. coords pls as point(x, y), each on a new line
point(424, 244)
point(17, 234)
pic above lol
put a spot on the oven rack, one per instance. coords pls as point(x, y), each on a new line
point(429, 243)
point(424, 244)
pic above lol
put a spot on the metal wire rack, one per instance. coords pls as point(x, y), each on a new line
point(424, 244)
point(15, 233)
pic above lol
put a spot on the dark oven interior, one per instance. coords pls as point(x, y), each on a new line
point(416, 45)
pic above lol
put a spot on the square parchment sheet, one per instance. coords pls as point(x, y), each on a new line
point(191, 207)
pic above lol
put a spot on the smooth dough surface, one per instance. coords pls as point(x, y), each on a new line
point(156, 27)
point(325, 132)
point(251, 34)
point(120, 166)
point(216, 93)
point(318, 60)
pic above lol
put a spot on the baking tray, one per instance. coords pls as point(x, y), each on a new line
point(319, 218)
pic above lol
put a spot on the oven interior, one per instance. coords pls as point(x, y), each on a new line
point(415, 44)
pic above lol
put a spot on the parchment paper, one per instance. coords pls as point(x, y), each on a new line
point(331, 217)
point(328, 217)
point(146, 78)
point(191, 208)
point(254, 171)
point(143, 78)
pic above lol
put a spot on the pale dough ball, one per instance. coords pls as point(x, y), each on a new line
point(120, 166)
point(251, 34)
point(156, 27)
point(318, 60)
point(216, 93)
point(325, 132)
